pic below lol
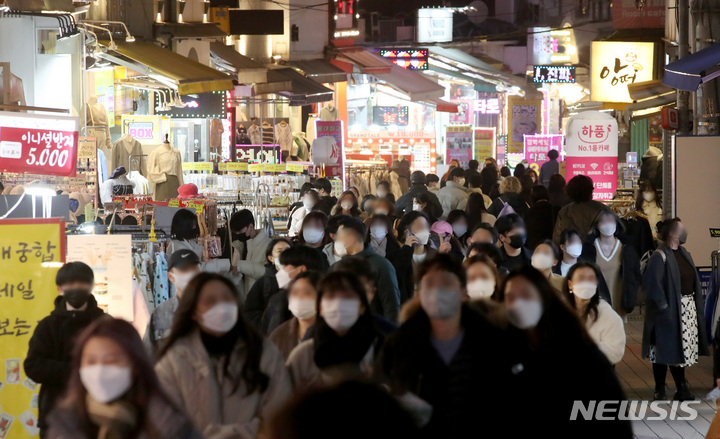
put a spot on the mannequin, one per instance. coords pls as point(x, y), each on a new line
point(254, 132)
point(300, 148)
point(242, 138)
point(216, 131)
point(125, 147)
point(165, 171)
point(284, 137)
point(97, 122)
point(329, 113)
point(117, 184)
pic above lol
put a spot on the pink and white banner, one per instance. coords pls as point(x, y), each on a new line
point(591, 149)
point(537, 147)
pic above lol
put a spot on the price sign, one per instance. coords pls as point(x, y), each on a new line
point(38, 144)
point(199, 207)
point(256, 167)
point(222, 166)
point(87, 148)
point(294, 168)
point(174, 203)
point(275, 168)
point(233, 166)
point(202, 166)
point(187, 166)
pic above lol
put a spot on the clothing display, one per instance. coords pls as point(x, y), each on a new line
point(216, 130)
point(268, 134)
point(300, 147)
point(102, 166)
point(142, 185)
point(165, 171)
point(126, 147)
point(329, 113)
point(98, 127)
point(116, 186)
point(255, 135)
point(284, 137)
point(310, 130)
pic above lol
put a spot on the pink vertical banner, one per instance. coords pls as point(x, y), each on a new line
point(328, 148)
point(591, 149)
point(537, 146)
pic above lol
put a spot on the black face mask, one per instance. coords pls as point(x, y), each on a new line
point(683, 237)
point(76, 297)
point(242, 237)
point(517, 240)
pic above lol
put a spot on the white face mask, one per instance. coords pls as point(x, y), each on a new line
point(542, 261)
point(312, 235)
point(574, 250)
point(339, 249)
point(417, 207)
point(183, 279)
point(308, 204)
point(380, 212)
point(303, 309)
point(381, 193)
point(423, 237)
point(459, 229)
point(440, 303)
point(481, 288)
point(283, 278)
point(221, 317)
point(648, 196)
point(584, 290)
point(346, 205)
point(525, 314)
point(378, 233)
point(106, 383)
point(277, 263)
point(340, 314)
point(607, 229)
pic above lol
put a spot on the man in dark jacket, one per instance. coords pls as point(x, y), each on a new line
point(327, 200)
point(549, 168)
point(471, 171)
point(49, 355)
point(404, 204)
point(513, 235)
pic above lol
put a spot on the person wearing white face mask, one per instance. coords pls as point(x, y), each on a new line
point(347, 205)
point(114, 392)
point(414, 228)
point(310, 202)
point(544, 258)
point(454, 195)
point(553, 335)
point(648, 203)
point(345, 340)
point(302, 298)
point(267, 286)
point(604, 325)
point(618, 261)
point(183, 266)
point(312, 231)
point(571, 247)
point(483, 278)
point(381, 237)
point(447, 351)
point(199, 364)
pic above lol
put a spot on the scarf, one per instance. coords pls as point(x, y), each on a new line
point(115, 420)
point(333, 350)
point(379, 247)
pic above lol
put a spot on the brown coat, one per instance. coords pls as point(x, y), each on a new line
point(190, 378)
point(286, 336)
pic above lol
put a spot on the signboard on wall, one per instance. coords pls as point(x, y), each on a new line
point(591, 148)
point(626, 14)
point(387, 116)
point(615, 65)
point(435, 25)
point(34, 144)
point(210, 105)
point(459, 141)
point(548, 46)
point(501, 149)
point(537, 147)
point(487, 106)
point(408, 58)
point(33, 250)
point(524, 118)
point(554, 74)
point(484, 143)
point(148, 130)
point(258, 153)
point(327, 148)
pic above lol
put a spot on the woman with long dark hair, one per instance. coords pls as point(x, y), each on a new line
point(347, 204)
point(345, 342)
point(310, 202)
point(185, 231)
point(674, 332)
point(553, 334)
point(490, 177)
point(264, 288)
point(302, 296)
point(602, 323)
point(216, 367)
point(114, 392)
point(476, 211)
point(414, 232)
point(381, 236)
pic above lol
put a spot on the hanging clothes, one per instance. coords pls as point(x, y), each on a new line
point(268, 134)
point(161, 287)
point(142, 185)
point(310, 131)
point(284, 137)
point(126, 147)
point(102, 169)
point(254, 134)
point(329, 113)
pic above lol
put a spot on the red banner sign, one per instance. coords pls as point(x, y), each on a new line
point(38, 145)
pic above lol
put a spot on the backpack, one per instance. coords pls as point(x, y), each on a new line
point(506, 210)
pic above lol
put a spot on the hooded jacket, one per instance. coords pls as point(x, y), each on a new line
point(48, 361)
point(404, 204)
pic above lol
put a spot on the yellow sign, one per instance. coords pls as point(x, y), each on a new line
point(615, 65)
point(202, 166)
point(174, 203)
point(256, 167)
point(222, 166)
point(524, 118)
point(275, 168)
point(87, 148)
point(291, 167)
point(232, 166)
point(187, 166)
point(199, 207)
point(32, 252)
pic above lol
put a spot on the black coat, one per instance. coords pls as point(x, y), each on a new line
point(403, 262)
point(540, 223)
point(476, 383)
point(514, 200)
point(524, 252)
point(663, 327)
point(48, 361)
point(629, 272)
point(276, 313)
point(404, 204)
point(259, 296)
point(326, 204)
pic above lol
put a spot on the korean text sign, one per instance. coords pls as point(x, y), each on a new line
point(524, 118)
point(484, 143)
point(615, 65)
point(38, 144)
point(459, 139)
point(31, 252)
point(591, 149)
point(537, 147)
point(327, 147)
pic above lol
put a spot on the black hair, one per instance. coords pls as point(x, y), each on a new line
point(424, 197)
point(302, 255)
point(475, 207)
point(486, 226)
point(490, 176)
point(316, 198)
point(481, 258)
point(595, 232)
point(418, 177)
point(475, 181)
point(358, 266)
point(271, 246)
point(506, 223)
point(388, 222)
point(365, 199)
point(432, 178)
point(343, 280)
point(305, 188)
point(185, 225)
point(184, 324)
point(567, 234)
point(324, 184)
point(442, 262)
point(591, 310)
point(74, 272)
point(354, 210)
point(553, 247)
point(356, 225)
point(408, 219)
point(553, 154)
point(539, 193)
point(519, 170)
point(473, 165)
point(385, 184)
point(646, 186)
point(333, 223)
point(665, 228)
point(457, 172)
point(241, 219)
point(505, 171)
point(490, 250)
point(580, 188)
point(556, 186)
point(312, 276)
point(315, 215)
point(455, 215)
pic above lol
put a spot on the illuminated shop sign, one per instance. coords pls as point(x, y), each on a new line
point(615, 65)
point(487, 106)
point(554, 74)
point(387, 116)
point(211, 105)
point(346, 19)
point(411, 59)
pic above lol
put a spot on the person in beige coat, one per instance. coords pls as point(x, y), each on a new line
point(217, 368)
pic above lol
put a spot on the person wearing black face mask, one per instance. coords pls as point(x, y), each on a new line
point(48, 361)
point(511, 229)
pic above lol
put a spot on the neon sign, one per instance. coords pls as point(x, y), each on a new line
point(411, 59)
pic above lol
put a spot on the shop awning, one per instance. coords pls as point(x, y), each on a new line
point(170, 68)
point(247, 70)
point(189, 30)
point(442, 106)
point(478, 84)
point(301, 90)
point(367, 61)
point(476, 68)
point(416, 85)
point(689, 72)
point(321, 70)
point(648, 89)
